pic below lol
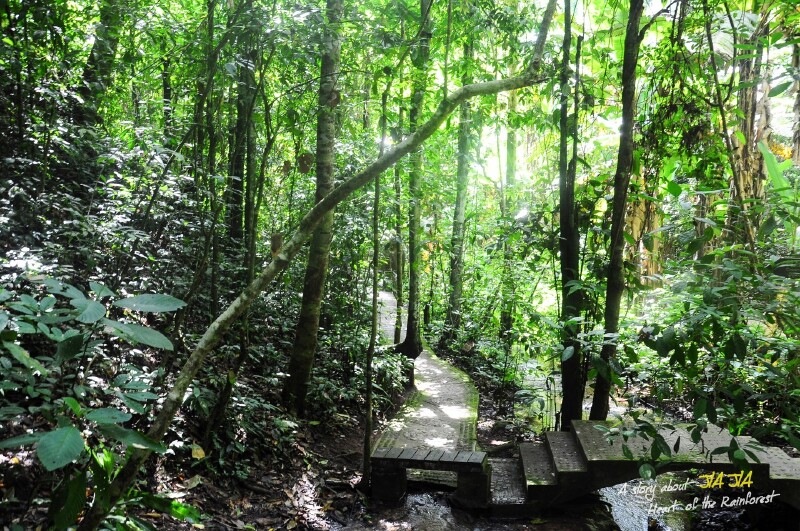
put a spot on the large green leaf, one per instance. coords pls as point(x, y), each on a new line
point(151, 303)
point(22, 356)
point(69, 348)
point(100, 291)
point(91, 311)
point(20, 440)
point(139, 334)
point(131, 437)
point(568, 353)
point(779, 181)
point(646, 471)
point(60, 447)
point(172, 507)
point(72, 500)
point(141, 396)
point(62, 288)
point(108, 415)
point(780, 89)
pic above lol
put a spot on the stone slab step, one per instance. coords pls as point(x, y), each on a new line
point(537, 466)
point(568, 458)
point(509, 492)
point(508, 482)
point(609, 465)
point(597, 448)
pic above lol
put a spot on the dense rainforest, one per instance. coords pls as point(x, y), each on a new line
point(579, 202)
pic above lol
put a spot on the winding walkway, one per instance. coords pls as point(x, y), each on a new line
point(442, 410)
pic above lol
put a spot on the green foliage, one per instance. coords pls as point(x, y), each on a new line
point(53, 317)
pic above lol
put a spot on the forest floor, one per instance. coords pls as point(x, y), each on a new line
point(317, 488)
point(316, 485)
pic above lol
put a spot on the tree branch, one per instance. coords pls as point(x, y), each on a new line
point(215, 332)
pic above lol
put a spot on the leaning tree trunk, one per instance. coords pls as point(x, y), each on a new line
point(216, 331)
point(412, 345)
point(615, 285)
point(453, 315)
point(305, 342)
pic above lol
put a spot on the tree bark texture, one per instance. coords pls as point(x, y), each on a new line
point(572, 383)
point(412, 345)
point(615, 285)
point(213, 336)
point(453, 315)
point(509, 209)
point(99, 67)
point(796, 127)
point(397, 244)
point(305, 341)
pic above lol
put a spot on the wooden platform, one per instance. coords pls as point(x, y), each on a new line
point(428, 459)
point(389, 477)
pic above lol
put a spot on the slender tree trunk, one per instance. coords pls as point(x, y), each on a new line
point(99, 67)
point(796, 129)
point(509, 207)
point(305, 342)
point(615, 286)
point(239, 149)
point(166, 93)
point(572, 384)
point(373, 333)
point(400, 261)
point(453, 315)
point(213, 336)
point(744, 158)
point(412, 345)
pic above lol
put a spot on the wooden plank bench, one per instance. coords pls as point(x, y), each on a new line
point(389, 473)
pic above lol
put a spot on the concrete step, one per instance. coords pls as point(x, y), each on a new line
point(508, 488)
point(609, 466)
point(537, 466)
point(568, 458)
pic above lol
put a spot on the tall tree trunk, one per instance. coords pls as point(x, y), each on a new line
point(412, 345)
point(744, 158)
point(509, 208)
point(305, 342)
point(453, 315)
point(615, 286)
point(373, 332)
point(239, 148)
point(213, 336)
point(397, 244)
point(100, 66)
point(166, 93)
point(572, 298)
point(796, 129)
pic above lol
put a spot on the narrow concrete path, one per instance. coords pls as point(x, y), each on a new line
point(442, 410)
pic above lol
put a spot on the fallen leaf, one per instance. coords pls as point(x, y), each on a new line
point(198, 452)
point(192, 482)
